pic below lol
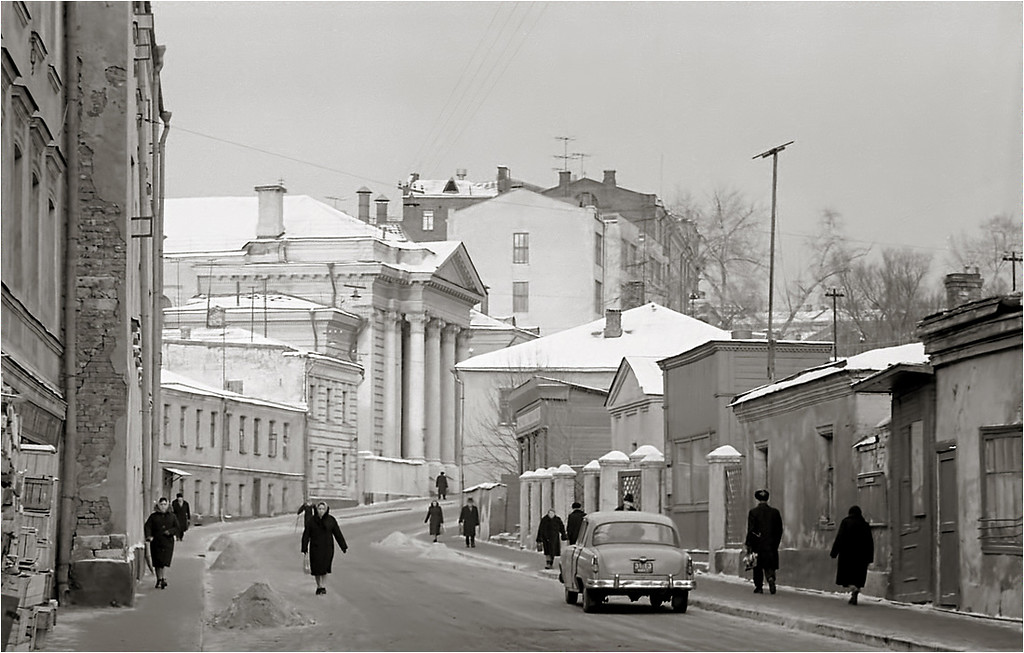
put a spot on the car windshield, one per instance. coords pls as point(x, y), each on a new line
point(634, 533)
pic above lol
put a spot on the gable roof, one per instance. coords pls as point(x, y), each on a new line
point(648, 374)
point(210, 224)
point(173, 381)
point(648, 330)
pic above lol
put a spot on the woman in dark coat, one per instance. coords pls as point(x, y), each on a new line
point(436, 517)
point(550, 536)
point(855, 549)
point(318, 540)
point(160, 530)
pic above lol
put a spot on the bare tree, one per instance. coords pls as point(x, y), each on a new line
point(986, 249)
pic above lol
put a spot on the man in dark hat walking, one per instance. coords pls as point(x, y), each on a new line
point(574, 521)
point(764, 534)
point(442, 486)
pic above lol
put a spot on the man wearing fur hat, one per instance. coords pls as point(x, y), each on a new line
point(764, 533)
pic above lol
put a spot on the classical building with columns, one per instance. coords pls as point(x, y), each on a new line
point(413, 301)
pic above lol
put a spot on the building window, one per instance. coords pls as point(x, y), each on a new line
point(760, 461)
point(690, 485)
point(284, 497)
point(272, 439)
point(599, 298)
point(828, 483)
point(181, 427)
point(521, 247)
point(520, 296)
point(224, 499)
point(227, 431)
point(1001, 514)
point(312, 464)
point(241, 498)
point(199, 428)
point(213, 429)
point(327, 404)
point(256, 436)
point(599, 249)
point(344, 469)
point(270, 498)
point(311, 400)
point(344, 406)
point(241, 434)
point(428, 221)
point(167, 425)
point(197, 495)
point(284, 440)
point(327, 467)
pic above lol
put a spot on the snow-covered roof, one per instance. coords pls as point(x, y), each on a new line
point(648, 330)
point(435, 188)
point(648, 374)
point(209, 224)
point(874, 360)
point(173, 381)
point(273, 301)
point(230, 335)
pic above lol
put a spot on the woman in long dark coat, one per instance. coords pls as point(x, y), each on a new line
point(160, 530)
point(855, 549)
point(550, 535)
point(436, 517)
point(318, 540)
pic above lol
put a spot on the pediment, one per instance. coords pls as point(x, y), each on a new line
point(458, 269)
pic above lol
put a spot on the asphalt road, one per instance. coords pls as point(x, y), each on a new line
point(414, 596)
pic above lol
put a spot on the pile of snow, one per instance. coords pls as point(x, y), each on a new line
point(235, 556)
point(258, 607)
point(399, 539)
point(222, 542)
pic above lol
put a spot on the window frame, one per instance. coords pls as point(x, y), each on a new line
point(427, 223)
point(520, 301)
point(521, 248)
point(992, 544)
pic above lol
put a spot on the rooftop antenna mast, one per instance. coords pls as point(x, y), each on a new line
point(564, 156)
point(581, 156)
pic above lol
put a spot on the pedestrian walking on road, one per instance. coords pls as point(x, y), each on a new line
point(307, 510)
point(436, 518)
point(469, 517)
point(160, 529)
point(442, 486)
point(549, 537)
point(318, 541)
point(627, 503)
point(573, 522)
point(764, 534)
point(183, 513)
point(855, 549)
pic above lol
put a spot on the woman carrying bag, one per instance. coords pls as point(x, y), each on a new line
point(436, 519)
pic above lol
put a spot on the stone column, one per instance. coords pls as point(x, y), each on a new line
point(536, 505)
point(432, 399)
point(413, 444)
point(651, 482)
point(546, 499)
point(525, 485)
point(392, 429)
point(564, 489)
point(611, 463)
point(447, 382)
point(462, 345)
point(591, 485)
point(718, 460)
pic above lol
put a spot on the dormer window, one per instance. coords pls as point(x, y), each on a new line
point(451, 187)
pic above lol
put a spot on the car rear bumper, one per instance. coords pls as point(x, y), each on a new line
point(632, 583)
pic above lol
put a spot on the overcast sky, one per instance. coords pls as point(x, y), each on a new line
point(906, 116)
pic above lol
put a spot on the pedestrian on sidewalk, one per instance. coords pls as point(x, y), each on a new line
point(318, 541)
point(442, 486)
point(764, 534)
point(855, 549)
point(574, 522)
point(183, 513)
point(627, 503)
point(307, 510)
point(549, 537)
point(160, 529)
point(436, 518)
point(469, 517)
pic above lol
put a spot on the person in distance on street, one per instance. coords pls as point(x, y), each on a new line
point(549, 537)
point(627, 503)
point(160, 529)
point(436, 518)
point(855, 549)
point(574, 521)
point(442, 486)
point(318, 541)
point(764, 534)
point(469, 517)
point(183, 513)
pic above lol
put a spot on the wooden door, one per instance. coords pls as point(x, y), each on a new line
point(912, 461)
point(949, 547)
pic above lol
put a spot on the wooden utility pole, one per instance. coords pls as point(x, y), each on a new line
point(1014, 258)
point(774, 154)
point(835, 294)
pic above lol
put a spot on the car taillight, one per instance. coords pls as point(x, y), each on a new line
point(593, 564)
point(689, 567)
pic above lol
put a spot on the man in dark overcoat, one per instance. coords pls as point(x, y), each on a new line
point(184, 514)
point(550, 535)
point(855, 549)
point(318, 540)
point(573, 522)
point(469, 517)
point(442, 486)
point(764, 534)
point(160, 530)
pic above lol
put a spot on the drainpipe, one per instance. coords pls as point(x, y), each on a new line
point(312, 322)
point(69, 455)
point(334, 285)
point(156, 479)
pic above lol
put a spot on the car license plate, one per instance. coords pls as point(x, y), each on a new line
point(644, 567)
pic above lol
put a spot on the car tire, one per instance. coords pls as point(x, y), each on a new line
point(591, 600)
point(656, 601)
point(571, 596)
point(679, 601)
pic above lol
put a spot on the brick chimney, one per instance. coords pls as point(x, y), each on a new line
point(609, 178)
point(504, 181)
point(364, 203)
point(382, 209)
point(271, 211)
point(963, 287)
point(612, 323)
point(564, 177)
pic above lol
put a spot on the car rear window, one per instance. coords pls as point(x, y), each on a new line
point(634, 533)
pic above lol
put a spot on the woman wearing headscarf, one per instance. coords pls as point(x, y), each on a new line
point(550, 535)
point(436, 517)
point(318, 541)
point(855, 549)
point(160, 529)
